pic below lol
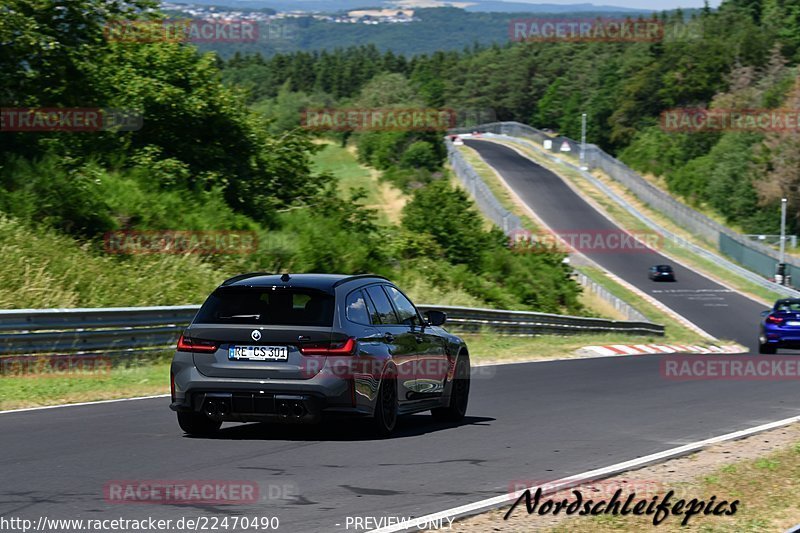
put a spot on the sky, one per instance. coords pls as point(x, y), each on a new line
point(657, 5)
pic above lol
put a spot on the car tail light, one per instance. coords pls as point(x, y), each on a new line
point(172, 386)
point(347, 347)
point(772, 319)
point(185, 344)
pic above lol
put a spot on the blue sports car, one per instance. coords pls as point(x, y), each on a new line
point(780, 327)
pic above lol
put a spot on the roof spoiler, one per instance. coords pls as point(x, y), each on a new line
point(358, 276)
point(240, 277)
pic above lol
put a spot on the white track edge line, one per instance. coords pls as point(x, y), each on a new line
point(83, 403)
point(499, 501)
point(474, 365)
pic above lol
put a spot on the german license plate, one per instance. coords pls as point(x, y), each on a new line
point(793, 323)
point(258, 353)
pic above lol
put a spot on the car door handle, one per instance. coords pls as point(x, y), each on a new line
point(389, 337)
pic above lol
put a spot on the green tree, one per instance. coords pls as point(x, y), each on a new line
point(448, 215)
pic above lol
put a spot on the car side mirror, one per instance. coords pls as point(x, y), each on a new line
point(436, 318)
point(765, 313)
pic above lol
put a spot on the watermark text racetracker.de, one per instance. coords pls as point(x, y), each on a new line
point(45, 524)
point(180, 242)
point(182, 492)
point(69, 119)
point(588, 241)
point(378, 119)
point(697, 120)
point(55, 365)
point(734, 368)
point(182, 30)
point(586, 29)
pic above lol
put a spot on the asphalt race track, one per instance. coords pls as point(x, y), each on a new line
point(534, 422)
point(529, 423)
point(719, 311)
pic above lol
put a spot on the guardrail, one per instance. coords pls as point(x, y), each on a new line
point(679, 241)
point(115, 331)
point(510, 223)
point(111, 330)
point(529, 323)
point(758, 258)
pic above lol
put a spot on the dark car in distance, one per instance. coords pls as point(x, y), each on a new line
point(780, 326)
point(300, 347)
point(661, 273)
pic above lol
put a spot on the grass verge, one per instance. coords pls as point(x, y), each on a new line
point(148, 375)
point(675, 331)
point(761, 471)
point(129, 377)
point(767, 488)
point(382, 196)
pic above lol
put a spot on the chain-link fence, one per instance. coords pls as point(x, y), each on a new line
point(752, 255)
point(480, 192)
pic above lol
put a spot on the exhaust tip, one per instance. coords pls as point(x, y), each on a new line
point(283, 408)
point(297, 409)
point(211, 409)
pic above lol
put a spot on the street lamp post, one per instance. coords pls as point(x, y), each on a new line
point(780, 272)
point(783, 230)
point(583, 142)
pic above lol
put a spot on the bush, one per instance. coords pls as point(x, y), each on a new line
point(337, 236)
point(69, 199)
point(447, 215)
point(420, 155)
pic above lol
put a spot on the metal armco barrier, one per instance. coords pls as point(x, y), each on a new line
point(529, 323)
point(111, 330)
point(754, 256)
point(510, 223)
point(126, 329)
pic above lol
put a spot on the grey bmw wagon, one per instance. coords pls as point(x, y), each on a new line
point(298, 347)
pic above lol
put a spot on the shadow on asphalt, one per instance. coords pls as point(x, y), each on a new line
point(339, 430)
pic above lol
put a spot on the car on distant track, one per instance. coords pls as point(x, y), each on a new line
point(300, 347)
point(661, 273)
point(780, 326)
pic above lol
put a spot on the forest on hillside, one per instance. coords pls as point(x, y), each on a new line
point(202, 159)
point(743, 55)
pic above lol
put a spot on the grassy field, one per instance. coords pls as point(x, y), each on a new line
point(767, 489)
point(143, 376)
point(386, 199)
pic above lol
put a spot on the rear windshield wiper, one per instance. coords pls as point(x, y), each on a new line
point(256, 317)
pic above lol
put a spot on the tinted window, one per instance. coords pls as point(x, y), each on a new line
point(289, 307)
point(788, 306)
point(406, 312)
point(384, 312)
point(665, 268)
point(357, 308)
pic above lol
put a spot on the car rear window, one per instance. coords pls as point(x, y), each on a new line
point(356, 307)
point(791, 307)
point(665, 268)
point(281, 307)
